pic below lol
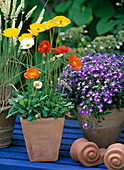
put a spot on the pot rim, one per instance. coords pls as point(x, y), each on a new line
point(44, 119)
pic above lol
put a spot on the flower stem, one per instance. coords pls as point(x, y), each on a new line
point(58, 37)
point(36, 50)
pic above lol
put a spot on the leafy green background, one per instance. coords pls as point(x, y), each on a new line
point(101, 17)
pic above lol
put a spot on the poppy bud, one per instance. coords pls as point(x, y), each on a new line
point(24, 52)
point(44, 62)
point(44, 56)
point(37, 115)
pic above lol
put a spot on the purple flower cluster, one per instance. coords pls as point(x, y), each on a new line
point(97, 85)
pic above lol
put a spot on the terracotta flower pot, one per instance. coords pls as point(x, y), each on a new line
point(43, 138)
point(108, 130)
point(6, 127)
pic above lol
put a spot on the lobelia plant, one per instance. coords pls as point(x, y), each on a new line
point(37, 98)
point(96, 85)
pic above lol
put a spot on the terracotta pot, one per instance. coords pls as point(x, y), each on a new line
point(114, 157)
point(43, 138)
point(6, 127)
point(87, 153)
point(108, 130)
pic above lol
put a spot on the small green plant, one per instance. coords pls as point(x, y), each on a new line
point(40, 106)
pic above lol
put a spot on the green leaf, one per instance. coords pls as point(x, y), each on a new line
point(42, 98)
point(105, 10)
point(25, 101)
point(79, 16)
point(34, 120)
point(30, 118)
point(46, 109)
point(20, 110)
point(12, 113)
point(107, 113)
point(36, 105)
point(104, 26)
point(68, 104)
point(11, 101)
point(21, 102)
point(62, 7)
point(120, 101)
point(113, 106)
point(30, 110)
point(45, 113)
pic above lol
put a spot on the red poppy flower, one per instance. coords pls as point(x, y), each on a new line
point(75, 63)
point(62, 49)
point(31, 73)
point(44, 46)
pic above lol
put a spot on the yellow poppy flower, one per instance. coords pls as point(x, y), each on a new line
point(61, 21)
point(25, 35)
point(38, 27)
point(11, 32)
point(49, 24)
point(35, 28)
point(33, 32)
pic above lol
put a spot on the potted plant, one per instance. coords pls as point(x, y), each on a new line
point(42, 110)
point(8, 68)
point(10, 58)
point(97, 83)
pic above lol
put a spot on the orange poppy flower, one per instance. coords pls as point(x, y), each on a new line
point(75, 63)
point(72, 57)
point(31, 73)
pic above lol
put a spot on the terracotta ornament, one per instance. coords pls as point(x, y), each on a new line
point(87, 153)
point(114, 157)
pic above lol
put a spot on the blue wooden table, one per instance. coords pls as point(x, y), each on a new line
point(15, 157)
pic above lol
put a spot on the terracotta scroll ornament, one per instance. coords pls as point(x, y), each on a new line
point(114, 157)
point(87, 153)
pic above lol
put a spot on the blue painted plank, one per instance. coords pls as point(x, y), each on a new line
point(15, 157)
point(37, 165)
point(23, 149)
point(64, 161)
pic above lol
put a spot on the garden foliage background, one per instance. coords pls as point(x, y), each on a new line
point(101, 17)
